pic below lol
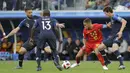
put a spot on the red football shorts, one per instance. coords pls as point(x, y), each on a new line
point(89, 47)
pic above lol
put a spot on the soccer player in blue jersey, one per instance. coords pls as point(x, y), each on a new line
point(114, 40)
point(28, 23)
point(47, 26)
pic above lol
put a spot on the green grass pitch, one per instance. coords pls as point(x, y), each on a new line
point(48, 67)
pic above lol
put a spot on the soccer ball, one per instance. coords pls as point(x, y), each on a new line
point(66, 64)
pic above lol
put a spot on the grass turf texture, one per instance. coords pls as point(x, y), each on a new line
point(48, 67)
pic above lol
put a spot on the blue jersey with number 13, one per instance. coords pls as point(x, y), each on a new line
point(46, 25)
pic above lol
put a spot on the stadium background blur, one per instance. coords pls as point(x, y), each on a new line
point(70, 12)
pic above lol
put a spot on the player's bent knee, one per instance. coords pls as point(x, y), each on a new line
point(115, 47)
point(96, 51)
point(22, 50)
point(78, 55)
point(48, 50)
point(101, 47)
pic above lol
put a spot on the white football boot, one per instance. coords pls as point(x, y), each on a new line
point(105, 67)
point(74, 65)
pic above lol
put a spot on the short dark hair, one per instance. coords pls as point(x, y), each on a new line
point(46, 13)
point(108, 9)
point(87, 20)
point(26, 9)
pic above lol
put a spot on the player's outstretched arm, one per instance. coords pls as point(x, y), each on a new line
point(124, 22)
point(1, 28)
point(60, 25)
point(57, 33)
point(31, 35)
point(14, 31)
point(32, 32)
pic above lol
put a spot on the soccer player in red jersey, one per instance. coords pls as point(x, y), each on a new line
point(92, 38)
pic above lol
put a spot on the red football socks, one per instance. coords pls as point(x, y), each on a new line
point(101, 59)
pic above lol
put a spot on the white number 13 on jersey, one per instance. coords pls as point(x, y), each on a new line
point(46, 25)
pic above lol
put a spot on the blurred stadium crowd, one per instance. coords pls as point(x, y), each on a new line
point(72, 38)
point(64, 4)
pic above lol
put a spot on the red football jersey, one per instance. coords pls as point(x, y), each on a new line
point(93, 35)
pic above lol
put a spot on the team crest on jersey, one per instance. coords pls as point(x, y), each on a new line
point(27, 25)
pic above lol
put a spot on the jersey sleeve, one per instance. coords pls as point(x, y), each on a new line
point(118, 18)
point(99, 26)
point(22, 23)
point(84, 34)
